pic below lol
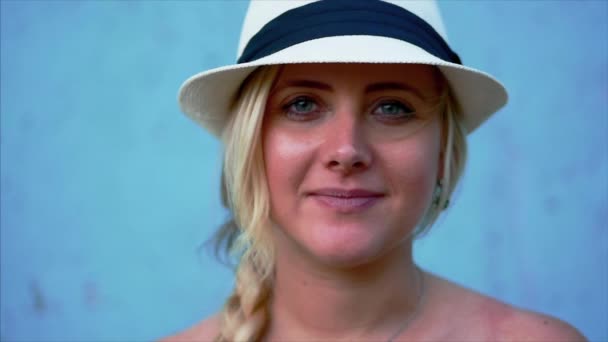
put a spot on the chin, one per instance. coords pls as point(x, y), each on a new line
point(349, 246)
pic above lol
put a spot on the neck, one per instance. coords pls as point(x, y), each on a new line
point(371, 301)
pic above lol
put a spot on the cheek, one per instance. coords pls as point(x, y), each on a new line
point(286, 160)
point(412, 170)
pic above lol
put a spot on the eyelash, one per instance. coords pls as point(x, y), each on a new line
point(287, 109)
point(406, 110)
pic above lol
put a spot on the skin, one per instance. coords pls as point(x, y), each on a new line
point(348, 130)
point(350, 266)
point(340, 134)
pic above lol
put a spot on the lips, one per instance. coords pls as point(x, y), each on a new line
point(346, 200)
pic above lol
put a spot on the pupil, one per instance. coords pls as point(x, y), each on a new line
point(302, 106)
point(390, 108)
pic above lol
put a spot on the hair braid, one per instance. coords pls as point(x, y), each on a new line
point(245, 314)
point(245, 193)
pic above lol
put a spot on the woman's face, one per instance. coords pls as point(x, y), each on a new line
point(352, 153)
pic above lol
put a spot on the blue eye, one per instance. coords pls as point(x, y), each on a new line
point(301, 108)
point(393, 110)
point(303, 105)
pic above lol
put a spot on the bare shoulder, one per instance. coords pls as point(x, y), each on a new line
point(475, 316)
point(205, 330)
point(523, 325)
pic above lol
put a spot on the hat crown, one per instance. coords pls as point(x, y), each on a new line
point(261, 12)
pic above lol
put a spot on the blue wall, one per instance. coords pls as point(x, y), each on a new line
point(107, 190)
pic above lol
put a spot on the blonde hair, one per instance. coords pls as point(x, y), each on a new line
point(247, 237)
point(245, 193)
point(453, 155)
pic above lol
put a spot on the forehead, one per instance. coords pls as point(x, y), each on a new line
point(425, 78)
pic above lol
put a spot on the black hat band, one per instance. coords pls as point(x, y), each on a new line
point(330, 18)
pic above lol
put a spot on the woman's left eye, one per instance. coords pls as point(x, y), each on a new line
point(393, 110)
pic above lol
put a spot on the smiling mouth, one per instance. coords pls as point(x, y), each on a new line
point(346, 201)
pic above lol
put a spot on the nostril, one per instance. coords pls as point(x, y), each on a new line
point(346, 165)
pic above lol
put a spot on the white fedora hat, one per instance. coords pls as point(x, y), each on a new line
point(340, 31)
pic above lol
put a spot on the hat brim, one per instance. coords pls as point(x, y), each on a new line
point(207, 96)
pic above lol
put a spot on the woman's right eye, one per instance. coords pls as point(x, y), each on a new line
point(301, 108)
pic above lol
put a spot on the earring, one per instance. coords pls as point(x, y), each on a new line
point(437, 195)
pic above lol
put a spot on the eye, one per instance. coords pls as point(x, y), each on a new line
point(393, 110)
point(301, 108)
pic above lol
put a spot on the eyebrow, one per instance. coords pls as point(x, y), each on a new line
point(308, 84)
point(393, 86)
point(375, 87)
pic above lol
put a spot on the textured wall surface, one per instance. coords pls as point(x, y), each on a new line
point(107, 191)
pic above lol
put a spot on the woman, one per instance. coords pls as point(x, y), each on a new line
point(344, 125)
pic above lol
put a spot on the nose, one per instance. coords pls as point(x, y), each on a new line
point(346, 147)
